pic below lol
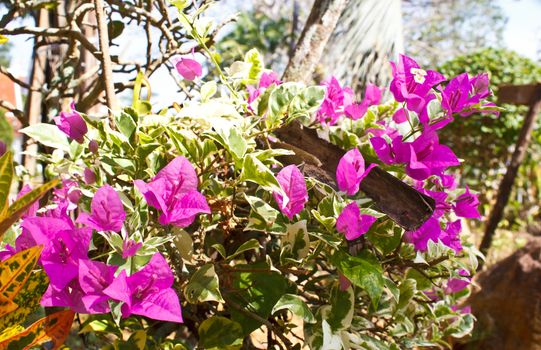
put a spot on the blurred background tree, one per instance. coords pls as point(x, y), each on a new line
point(436, 30)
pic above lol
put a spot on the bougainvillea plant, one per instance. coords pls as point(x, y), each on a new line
point(188, 229)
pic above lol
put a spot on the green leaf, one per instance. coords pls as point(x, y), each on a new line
point(100, 323)
point(208, 90)
point(6, 176)
point(407, 291)
point(262, 208)
point(340, 313)
point(48, 135)
point(137, 341)
point(203, 286)
point(220, 333)
point(363, 271)
point(115, 29)
point(279, 101)
point(248, 245)
point(256, 292)
point(6, 131)
point(296, 305)
point(184, 243)
point(296, 242)
point(306, 102)
point(125, 123)
point(255, 171)
point(232, 139)
point(256, 65)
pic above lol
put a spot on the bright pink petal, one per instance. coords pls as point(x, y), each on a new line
point(119, 289)
point(183, 210)
point(163, 305)
point(189, 68)
point(294, 189)
point(351, 171)
point(352, 224)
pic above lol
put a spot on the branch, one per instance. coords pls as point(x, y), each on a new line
point(106, 63)
point(5, 104)
point(16, 80)
point(56, 32)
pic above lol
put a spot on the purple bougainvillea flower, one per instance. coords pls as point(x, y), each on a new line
point(462, 93)
point(188, 68)
point(107, 212)
point(8, 252)
point(400, 116)
point(70, 296)
point(63, 246)
point(174, 191)
point(352, 223)
point(60, 259)
point(429, 231)
point(148, 292)
point(413, 85)
point(455, 96)
point(335, 102)
point(424, 156)
point(40, 230)
point(33, 209)
point(351, 171)
point(94, 277)
point(455, 285)
point(294, 195)
point(466, 205)
point(356, 110)
point(130, 248)
point(450, 236)
point(269, 78)
point(440, 197)
point(372, 96)
point(72, 124)
point(89, 176)
point(68, 195)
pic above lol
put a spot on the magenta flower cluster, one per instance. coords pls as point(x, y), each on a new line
point(89, 286)
point(425, 159)
point(340, 101)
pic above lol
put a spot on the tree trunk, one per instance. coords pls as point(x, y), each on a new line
point(34, 100)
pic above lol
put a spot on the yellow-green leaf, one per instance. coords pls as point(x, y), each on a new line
point(15, 271)
point(3, 39)
point(27, 300)
point(10, 332)
point(21, 205)
point(6, 175)
point(54, 328)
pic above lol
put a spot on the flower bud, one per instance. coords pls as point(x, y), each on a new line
point(93, 146)
point(89, 176)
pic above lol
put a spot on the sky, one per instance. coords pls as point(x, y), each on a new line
point(523, 30)
point(522, 34)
